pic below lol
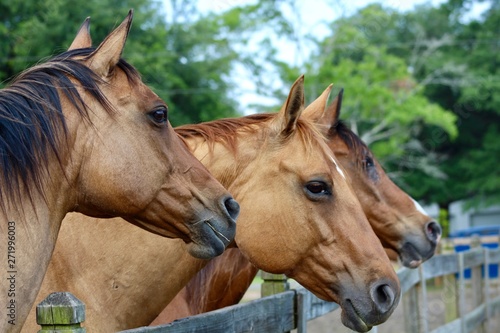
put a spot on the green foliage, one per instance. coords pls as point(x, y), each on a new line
point(383, 102)
point(444, 221)
point(462, 75)
point(185, 62)
point(481, 165)
point(428, 82)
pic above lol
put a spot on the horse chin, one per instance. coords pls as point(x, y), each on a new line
point(209, 239)
point(351, 319)
point(410, 257)
point(205, 251)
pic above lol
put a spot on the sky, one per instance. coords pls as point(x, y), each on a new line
point(312, 20)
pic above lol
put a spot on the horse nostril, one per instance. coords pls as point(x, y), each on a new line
point(383, 297)
point(433, 231)
point(232, 207)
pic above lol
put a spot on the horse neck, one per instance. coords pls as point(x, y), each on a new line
point(30, 234)
point(30, 222)
point(36, 223)
point(123, 281)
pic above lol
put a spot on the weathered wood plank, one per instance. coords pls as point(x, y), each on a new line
point(495, 306)
point(441, 265)
point(272, 314)
point(314, 306)
point(407, 278)
point(273, 284)
point(461, 291)
point(453, 326)
point(486, 288)
point(473, 257)
point(472, 319)
point(450, 292)
point(301, 318)
point(494, 255)
point(61, 311)
point(475, 318)
point(292, 309)
point(411, 307)
point(477, 286)
point(422, 306)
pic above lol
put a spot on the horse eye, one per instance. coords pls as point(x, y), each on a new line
point(159, 116)
point(371, 170)
point(368, 162)
point(318, 188)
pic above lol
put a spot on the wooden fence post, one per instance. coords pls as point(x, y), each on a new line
point(60, 312)
point(273, 284)
point(461, 299)
point(450, 297)
point(450, 290)
point(477, 282)
point(411, 310)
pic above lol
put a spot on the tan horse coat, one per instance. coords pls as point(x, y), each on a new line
point(298, 216)
point(399, 223)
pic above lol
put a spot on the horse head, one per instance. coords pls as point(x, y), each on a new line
point(130, 163)
point(399, 221)
point(317, 232)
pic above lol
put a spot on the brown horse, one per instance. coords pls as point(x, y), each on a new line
point(81, 132)
point(396, 218)
point(298, 217)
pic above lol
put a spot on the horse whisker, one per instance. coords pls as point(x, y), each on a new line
point(217, 232)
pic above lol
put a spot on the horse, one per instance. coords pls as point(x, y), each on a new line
point(82, 133)
point(399, 221)
point(298, 216)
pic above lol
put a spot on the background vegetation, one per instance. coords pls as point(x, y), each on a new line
point(422, 87)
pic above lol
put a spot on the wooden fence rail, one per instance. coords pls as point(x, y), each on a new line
point(293, 308)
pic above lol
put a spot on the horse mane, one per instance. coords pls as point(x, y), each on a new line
point(32, 124)
point(353, 142)
point(225, 130)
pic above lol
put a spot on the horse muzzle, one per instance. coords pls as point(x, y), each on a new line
point(212, 234)
point(361, 313)
point(416, 250)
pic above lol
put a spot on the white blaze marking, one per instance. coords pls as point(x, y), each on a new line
point(418, 207)
point(337, 166)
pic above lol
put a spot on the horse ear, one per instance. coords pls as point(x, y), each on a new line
point(291, 110)
point(108, 53)
point(334, 108)
point(316, 110)
point(82, 39)
point(329, 118)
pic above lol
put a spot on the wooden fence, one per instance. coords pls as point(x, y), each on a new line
point(292, 309)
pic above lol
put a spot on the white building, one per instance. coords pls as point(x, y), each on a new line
point(460, 219)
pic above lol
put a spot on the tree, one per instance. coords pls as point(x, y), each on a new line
point(383, 102)
point(186, 59)
point(454, 63)
point(462, 75)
